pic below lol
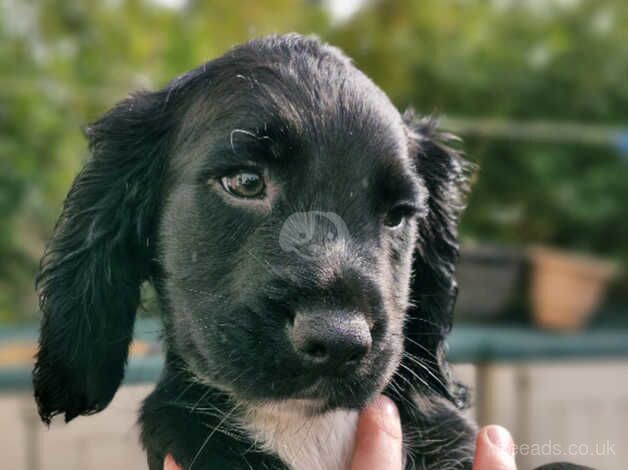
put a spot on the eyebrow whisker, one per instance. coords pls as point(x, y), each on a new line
point(239, 131)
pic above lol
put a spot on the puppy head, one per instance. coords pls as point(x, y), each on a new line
point(275, 197)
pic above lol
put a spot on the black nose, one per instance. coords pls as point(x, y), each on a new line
point(330, 339)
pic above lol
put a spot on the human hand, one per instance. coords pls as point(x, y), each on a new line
point(379, 443)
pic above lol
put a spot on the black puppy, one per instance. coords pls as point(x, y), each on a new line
point(301, 237)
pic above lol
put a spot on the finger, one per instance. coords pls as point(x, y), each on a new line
point(494, 449)
point(170, 464)
point(378, 437)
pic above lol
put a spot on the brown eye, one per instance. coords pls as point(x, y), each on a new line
point(246, 184)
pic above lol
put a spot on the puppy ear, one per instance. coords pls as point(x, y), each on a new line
point(446, 177)
point(99, 253)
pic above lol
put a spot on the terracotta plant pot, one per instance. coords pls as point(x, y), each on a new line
point(566, 288)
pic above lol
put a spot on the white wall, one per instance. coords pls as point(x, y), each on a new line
point(563, 404)
point(105, 441)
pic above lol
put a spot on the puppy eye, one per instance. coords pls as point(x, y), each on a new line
point(398, 215)
point(246, 184)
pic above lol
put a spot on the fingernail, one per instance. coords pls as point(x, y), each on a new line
point(501, 438)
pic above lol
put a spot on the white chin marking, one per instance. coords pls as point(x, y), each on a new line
point(301, 439)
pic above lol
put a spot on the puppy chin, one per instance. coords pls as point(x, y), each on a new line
point(305, 407)
point(319, 398)
point(331, 394)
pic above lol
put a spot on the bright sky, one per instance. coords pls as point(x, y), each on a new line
point(341, 10)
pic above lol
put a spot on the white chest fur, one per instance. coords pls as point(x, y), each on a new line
point(303, 441)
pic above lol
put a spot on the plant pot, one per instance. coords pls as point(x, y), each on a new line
point(566, 288)
point(487, 276)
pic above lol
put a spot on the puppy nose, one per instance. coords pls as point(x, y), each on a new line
point(330, 340)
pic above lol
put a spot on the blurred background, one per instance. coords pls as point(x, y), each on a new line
point(538, 90)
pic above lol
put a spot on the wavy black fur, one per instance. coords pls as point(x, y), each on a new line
point(148, 206)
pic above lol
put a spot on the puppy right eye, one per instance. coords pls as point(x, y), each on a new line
point(398, 214)
point(245, 184)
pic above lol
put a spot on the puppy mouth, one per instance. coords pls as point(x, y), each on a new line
point(317, 394)
point(350, 391)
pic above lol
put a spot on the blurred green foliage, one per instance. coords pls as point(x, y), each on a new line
point(525, 60)
point(64, 63)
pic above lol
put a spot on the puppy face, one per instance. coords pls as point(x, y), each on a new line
point(288, 230)
point(275, 198)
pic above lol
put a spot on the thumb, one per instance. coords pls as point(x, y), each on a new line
point(494, 449)
point(378, 437)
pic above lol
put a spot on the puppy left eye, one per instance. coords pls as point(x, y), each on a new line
point(398, 215)
point(245, 184)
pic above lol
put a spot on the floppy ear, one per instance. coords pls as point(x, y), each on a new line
point(99, 253)
point(433, 292)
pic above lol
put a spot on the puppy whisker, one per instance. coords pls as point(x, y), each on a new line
point(209, 436)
